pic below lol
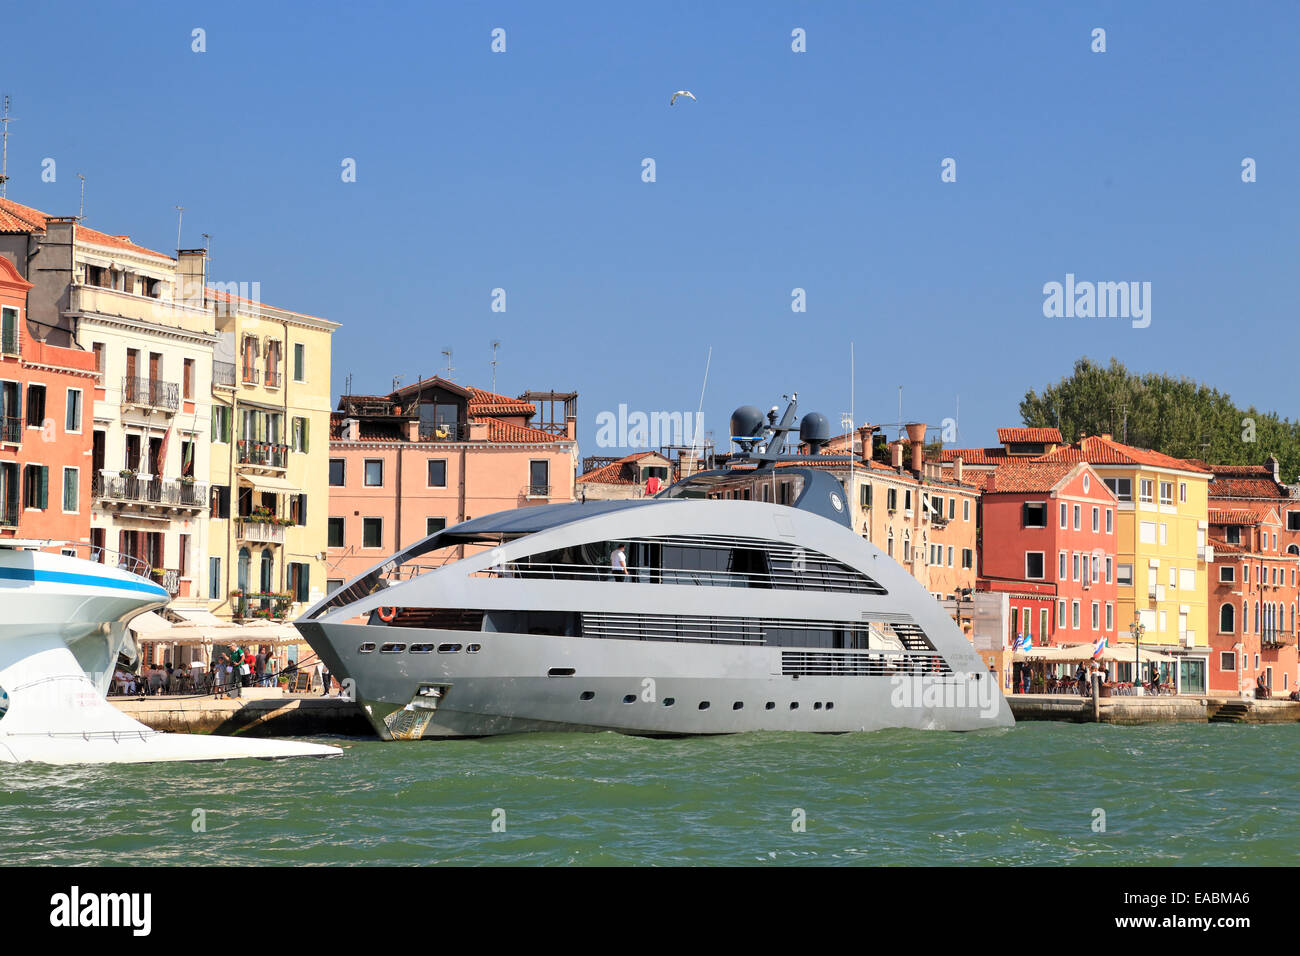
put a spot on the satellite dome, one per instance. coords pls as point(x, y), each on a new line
point(746, 422)
point(815, 430)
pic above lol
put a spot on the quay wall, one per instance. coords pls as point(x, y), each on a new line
point(268, 714)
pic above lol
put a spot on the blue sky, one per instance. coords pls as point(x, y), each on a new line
point(818, 170)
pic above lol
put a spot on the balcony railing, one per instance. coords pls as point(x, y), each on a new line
point(9, 342)
point(263, 453)
point(263, 605)
point(170, 580)
point(261, 532)
point(538, 491)
point(11, 429)
point(151, 391)
point(273, 377)
point(155, 491)
point(249, 374)
point(8, 514)
point(223, 374)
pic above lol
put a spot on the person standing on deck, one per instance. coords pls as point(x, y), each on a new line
point(618, 563)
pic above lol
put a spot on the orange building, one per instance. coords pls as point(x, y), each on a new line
point(431, 455)
point(46, 393)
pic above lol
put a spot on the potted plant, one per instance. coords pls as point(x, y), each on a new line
point(187, 479)
point(126, 473)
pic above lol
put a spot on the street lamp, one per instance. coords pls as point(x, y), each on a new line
point(1137, 630)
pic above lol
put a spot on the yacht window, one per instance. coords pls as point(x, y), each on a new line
point(669, 701)
point(449, 648)
point(560, 672)
point(769, 706)
point(704, 705)
point(421, 648)
point(737, 706)
point(392, 649)
point(586, 695)
point(794, 705)
point(629, 698)
point(473, 648)
point(366, 648)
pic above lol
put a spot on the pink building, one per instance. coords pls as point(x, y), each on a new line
point(431, 455)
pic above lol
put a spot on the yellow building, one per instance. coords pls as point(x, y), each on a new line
point(269, 462)
point(1161, 552)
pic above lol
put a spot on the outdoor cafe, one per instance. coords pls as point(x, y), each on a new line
point(1064, 669)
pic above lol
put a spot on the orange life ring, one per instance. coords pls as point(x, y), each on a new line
point(392, 613)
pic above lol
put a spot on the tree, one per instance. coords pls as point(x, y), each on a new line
point(1176, 416)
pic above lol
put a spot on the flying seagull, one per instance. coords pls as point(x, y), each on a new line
point(681, 93)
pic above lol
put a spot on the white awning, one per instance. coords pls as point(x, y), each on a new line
point(266, 483)
point(148, 624)
point(227, 633)
point(195, 615)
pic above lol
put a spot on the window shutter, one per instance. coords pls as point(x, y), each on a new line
point(45, 487)
point(306, 442)
point(302, 509)
point(223, 501)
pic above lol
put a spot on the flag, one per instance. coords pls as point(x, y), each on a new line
point(162, 453)
point(1097, 651)
point(1024, 643)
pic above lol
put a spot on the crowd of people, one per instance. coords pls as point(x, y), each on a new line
point(231, 670)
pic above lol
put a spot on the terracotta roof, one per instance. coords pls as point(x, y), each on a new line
point(508, 433)
point(1245, 487)
point(1014, 477)
point(227, 297)
point(1222, 547)
point(1106, 451)
point(483, 402)
point(975, 456)
point(615, 473)
point(1046, 435)
point(15, 217)
point(1235, 516)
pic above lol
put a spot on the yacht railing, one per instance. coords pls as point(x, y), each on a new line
point(811, 580)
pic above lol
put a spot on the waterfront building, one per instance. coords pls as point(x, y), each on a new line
point(1048, 541)
point(152, 353)
point(269, 471)
point(1161, 551)
point(1255, 544)
point(45, 395)
point(418, 459)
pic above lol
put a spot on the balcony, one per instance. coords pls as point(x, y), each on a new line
point(169, 579)
point(151, 393)
point(11, 429)
point(260, 532)
point(8, 515)
point(249, 374)
point(273, 378)
point(445, 432)
point(259, 605)
point(9, 342)
point(130, 489)
point(261, 453)
point(223, 374)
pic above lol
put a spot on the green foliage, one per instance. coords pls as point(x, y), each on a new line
point(1176, 416)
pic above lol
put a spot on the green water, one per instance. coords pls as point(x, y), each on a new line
point(1182, 794)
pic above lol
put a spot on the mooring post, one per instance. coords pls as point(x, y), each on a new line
point(1096, 698)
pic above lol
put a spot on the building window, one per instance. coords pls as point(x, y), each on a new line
point(221, 423)
point(72, 421)
point(9, 330)
point(1121, 487)
point(1227, 574)
point(891, 499)
point(187, 379)
point(36, 487)
point(1124, 575)
point(539, 478)
point(1110, 616)
point(967, 558)
point(1060, 613)
point(1074, 567)
point(1110, 521)
point(214, 579)
point(336, 472)
point(1077, 523)
point(1096, 520)
point(1232, 534)
point(300, 581)
point(1035, 514)
point(1074, 614)
point(1110, 569)
point(299, 362)
point(335, 536)
point(1065, 515)
point(36, 406)
point(1166, 492)
point(965, 509)
point(1096, 616)
point(1034, 565)
point(1182, 492)
point(71, 488)
point(434, 525)
point(372, 532)
point(298, 435)
point(949, 555)
point(374, 473)
point(437, 472)
point(1227, 660)
point(1063, 572)
point(1145, 491)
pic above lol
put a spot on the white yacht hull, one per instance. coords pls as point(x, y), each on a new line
point(62, 623)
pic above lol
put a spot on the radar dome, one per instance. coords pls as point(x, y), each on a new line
point(746, 422)
point(815, 430)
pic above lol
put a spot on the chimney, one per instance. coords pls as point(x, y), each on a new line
point(412, 429)
point(1106, 435)
point(191, 276)
point(916, 435)
point(896, 455)
point(571, 428)
point(1272, 462)
point(351, 429)
point(957, 465)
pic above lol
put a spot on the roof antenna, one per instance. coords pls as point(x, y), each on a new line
point(447, 355)
point(699, 415)
point(5, 120)
point(180, 216)
point(496, 344)
point(83, 197)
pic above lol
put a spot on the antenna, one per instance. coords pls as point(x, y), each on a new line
point(446, 353)
point(5, 120)
point(699, 415)
point(397, 381)
point(180, 217)
point(900, 411)
point(347, 384)
point(82, 214)
point(496, 344)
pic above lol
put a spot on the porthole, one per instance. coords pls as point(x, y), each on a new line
point(421, 648)
point(830, 705)
point(366, 648)
point(562, 672)
point(737, 705)
point(629, 698)
point(4, 703)
point(794, 705)
point(393, 649)
point(669, 701)
point(704, 705)
point(473, 648)
point(587, 695)
point(769, 706)
point(817, 705)
point(449, 648)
